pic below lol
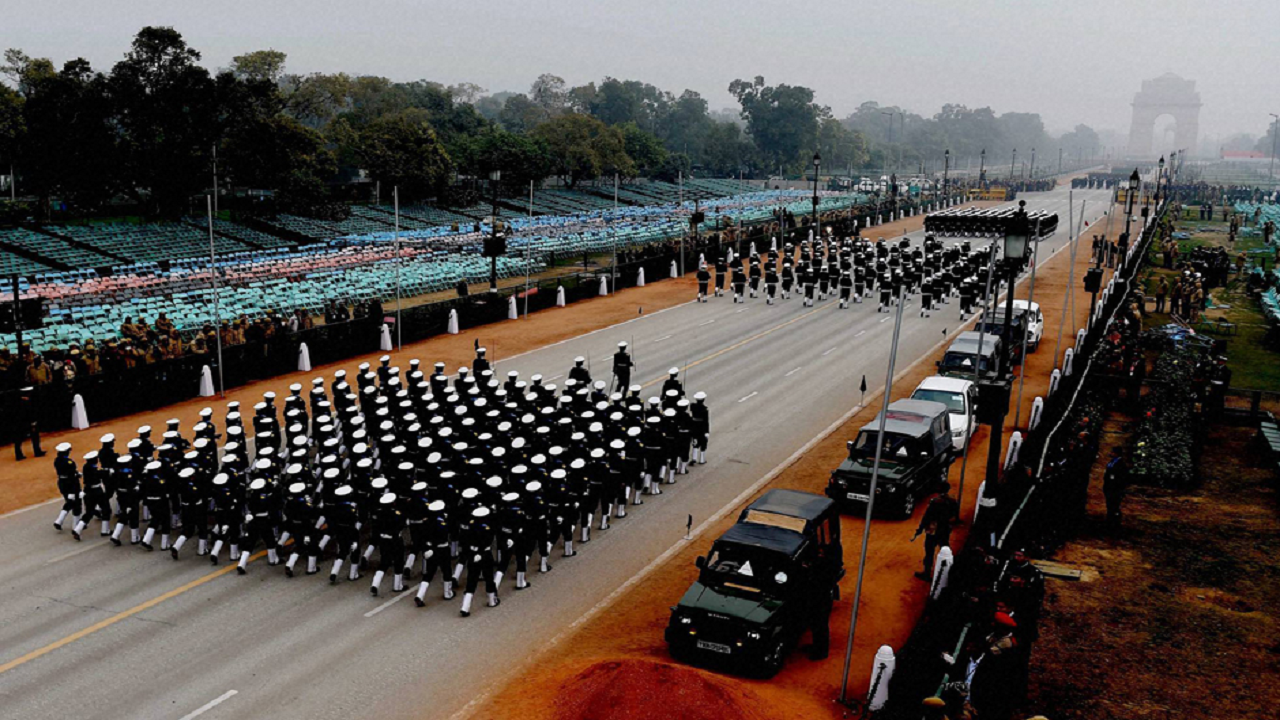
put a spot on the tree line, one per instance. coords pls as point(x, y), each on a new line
point(154, 128)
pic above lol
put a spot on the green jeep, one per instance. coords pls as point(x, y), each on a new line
point(769, 578)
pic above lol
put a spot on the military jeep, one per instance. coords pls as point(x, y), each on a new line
point(766, 580)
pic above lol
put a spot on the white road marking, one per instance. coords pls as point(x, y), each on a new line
point(388, 604)
point(749, 396)
point(19, 511)
point(735, 312)
point(861, 333)
point(210, 705)
point(828, 352)
point(555, 377)
point(664, 337)
point(706, 323)
point(885, 320)
point(793, 372)
point(77, 551)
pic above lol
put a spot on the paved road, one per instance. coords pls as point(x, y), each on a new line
point(125, 633)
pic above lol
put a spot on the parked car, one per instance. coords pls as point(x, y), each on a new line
point(759, 587)
point(961, 398)
point(916, 453)
point(1030, 316)
point(965, 353)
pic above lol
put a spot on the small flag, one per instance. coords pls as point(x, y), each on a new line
point(863, 387)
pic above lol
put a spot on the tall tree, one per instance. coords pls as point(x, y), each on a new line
point(165, 110)
point(783, 120)
point(403, 150)
point(583, 148)
point(265, 65)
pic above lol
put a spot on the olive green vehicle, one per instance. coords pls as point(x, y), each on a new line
point(769, 578)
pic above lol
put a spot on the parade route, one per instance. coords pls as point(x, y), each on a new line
point(134, 634)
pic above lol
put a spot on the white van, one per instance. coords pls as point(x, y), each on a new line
point(1031, 315)
point(961, 398)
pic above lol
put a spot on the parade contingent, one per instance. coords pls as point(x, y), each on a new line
point(854, 269)
point(453, 480)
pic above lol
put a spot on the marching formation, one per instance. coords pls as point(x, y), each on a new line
point(853, 269)
point(461, 479)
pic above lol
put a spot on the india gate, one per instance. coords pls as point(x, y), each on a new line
point(1165, 95)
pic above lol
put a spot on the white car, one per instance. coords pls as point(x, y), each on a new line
point(1032, 316)
point(961, 398)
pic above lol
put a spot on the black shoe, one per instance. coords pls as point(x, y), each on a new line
point(333, 579)
point(41, 454)
point(373, 590)
point(419, 602)
point(75, 535)
point(288, 571)
point(115, 541)
point(213, 559)
point(464, 613)
point(148, 546)
point(173, 552)
point(923, 575)
point(57, 526)
point(241, 570)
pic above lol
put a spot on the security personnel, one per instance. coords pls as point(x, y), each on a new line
point(68, 487)
point(127, 481)
point(700, 426)
point(704, 279)
point(477, 550)
point(388, 531)
point(436, 556)
point(936, 524)
point(97, 501)
point(261, 517)
point(846, 289)
point(622, 366)
point(193, 503)
point(343, 517)
point(226, 501)
point(514, 539)
point(480, 364)
point(300, 520)
point(156, 489)
point(739, 284)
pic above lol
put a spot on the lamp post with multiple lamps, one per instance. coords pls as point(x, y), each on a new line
point(495, 244)
point(1017, 241)
point(817, 166)
point(946, 169)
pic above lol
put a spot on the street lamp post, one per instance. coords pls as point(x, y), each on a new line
point(817, 166)
point(495, 178)
point(1013, 163)
point(1275, 125)
point(1032, 173)
point(946, 169)
point(1017, 239)
point(982, 167)
point(1159, 178)
point(1135, 181)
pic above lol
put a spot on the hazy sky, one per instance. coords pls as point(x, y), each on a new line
point(1070, 60)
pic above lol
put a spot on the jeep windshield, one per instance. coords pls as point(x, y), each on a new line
point(897, 448)
point(744, 570)
point(962, 362)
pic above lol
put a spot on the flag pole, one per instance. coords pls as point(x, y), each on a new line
point(217, 310)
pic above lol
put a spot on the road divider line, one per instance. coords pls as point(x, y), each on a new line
point(664, 337)
point(753, 394)
point(707, 322)
point(210, 705)
point(828, 352)
point(123, 615)
point(555, 377)
point(885, 320)
point(793, 372)
point(387, 604)
point(860, 334)
point(74, 553)
point(19, 511)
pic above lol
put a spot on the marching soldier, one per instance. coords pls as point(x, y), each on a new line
point(436, 554)
point(301, 520)
point(477, 547)
point(388, 531)
point(68, 488)
point(770, 284)
point(156, 489)
point(513, 540)
point(846, 289)
point(480, 364)
point(701, 427)
point(673, 382)
point(704, 279)
point(622, 366)
point(754, 275)
point(193, 501)
point(261, 516)
point(739, 284)
point(344, 523)
point(227, 501)
point(97, 501)
point(127, 495)
point(579, 373)
point(722, 269)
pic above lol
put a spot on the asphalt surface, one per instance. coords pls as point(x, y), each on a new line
point(95, 631)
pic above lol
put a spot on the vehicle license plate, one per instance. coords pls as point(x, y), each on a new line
point(859, 497)
point(715, 647)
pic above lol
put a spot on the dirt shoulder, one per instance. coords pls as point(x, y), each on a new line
point(1183, 604)
point(627, 636)
point(32, 481)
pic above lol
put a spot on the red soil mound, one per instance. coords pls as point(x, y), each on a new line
point(645, 690)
